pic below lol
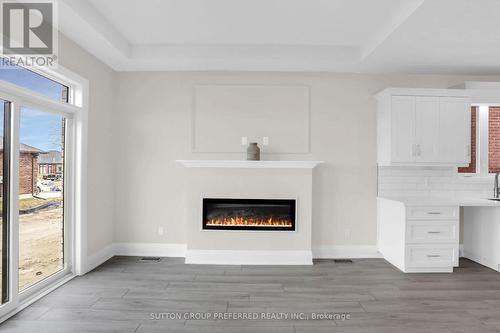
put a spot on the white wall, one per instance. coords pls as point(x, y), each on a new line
point(100, 143)
point(154, 129)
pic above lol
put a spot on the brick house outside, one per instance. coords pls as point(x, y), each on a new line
point(50, 163)
point(28, 167)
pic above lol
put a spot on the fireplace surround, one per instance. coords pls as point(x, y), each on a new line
point(249, 214)
point(215, 179)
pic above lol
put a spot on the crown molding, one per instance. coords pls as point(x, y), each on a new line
point(87, 27)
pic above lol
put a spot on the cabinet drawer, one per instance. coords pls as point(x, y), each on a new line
point(432, 212)
point(432, 231)
point(431, 255)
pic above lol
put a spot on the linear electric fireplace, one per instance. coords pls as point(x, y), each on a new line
point(249, 214)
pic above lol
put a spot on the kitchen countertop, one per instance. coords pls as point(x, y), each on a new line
point(440, 201)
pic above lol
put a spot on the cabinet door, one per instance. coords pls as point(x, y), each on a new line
point(454, 130)
point(403, 129)
point(427, 129)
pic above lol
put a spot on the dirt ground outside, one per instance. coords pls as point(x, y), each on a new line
point(41, 245)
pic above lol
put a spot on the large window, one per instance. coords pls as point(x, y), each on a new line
point(38, 83)
point(35, 160)
point(485, 141)
point(41, 217)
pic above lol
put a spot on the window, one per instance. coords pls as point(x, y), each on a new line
point(28, 79)
point(41, 201)
point(472, 166)
point(485, 141)
point(38, 170)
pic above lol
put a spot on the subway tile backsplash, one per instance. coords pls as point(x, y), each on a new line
point(429, 181)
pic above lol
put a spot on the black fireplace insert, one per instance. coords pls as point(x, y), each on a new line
point(249, 214)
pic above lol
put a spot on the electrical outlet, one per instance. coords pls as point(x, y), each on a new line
point(160, 231)
point(347, 233)
point(265, 141)
point(244, 141)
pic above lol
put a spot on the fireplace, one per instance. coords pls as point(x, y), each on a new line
point(249, 214)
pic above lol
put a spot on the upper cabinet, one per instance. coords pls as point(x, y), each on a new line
point(423, 127)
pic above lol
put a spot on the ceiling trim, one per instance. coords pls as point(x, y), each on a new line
point(82, 23)
point(387, 29)
point(242, 57)
point(85, 25)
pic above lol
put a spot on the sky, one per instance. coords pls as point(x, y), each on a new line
point(38, 129)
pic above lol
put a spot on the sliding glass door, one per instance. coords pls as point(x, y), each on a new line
point(36, 185)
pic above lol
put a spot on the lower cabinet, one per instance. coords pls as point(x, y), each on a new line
point(418, 239)
point(431, 257)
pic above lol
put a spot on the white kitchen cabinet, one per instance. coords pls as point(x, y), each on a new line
point(418, 239)
point(423, 127)
point(404, 128)
point(427, 132)
point(454, 130)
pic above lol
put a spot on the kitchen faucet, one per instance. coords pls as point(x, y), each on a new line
point(496, 189)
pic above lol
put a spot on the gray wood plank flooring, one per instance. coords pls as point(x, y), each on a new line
point(121, 295)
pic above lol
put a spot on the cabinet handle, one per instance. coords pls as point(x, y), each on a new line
point(434, 213)
point(433, 232)
point(418, 150)
point(433, 256)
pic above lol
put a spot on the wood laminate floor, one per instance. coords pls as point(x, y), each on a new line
point(123, 294)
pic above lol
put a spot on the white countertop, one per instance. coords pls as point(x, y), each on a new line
point(440, 201)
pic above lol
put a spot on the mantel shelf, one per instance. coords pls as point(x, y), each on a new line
point(249, 164)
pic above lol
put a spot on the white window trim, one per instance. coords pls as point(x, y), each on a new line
point(482, 164)
point(78, 108)
point(79, 100)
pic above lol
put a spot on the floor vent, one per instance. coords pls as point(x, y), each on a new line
point(154, 259)
point(342, 261)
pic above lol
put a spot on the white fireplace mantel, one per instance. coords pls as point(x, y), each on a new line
point(248, 179)
point(249, 164)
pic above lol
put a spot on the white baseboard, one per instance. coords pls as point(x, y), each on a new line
point(231, 257)
point(345, 251)
point(99, 257)
point(223, 257)
point(150, 249)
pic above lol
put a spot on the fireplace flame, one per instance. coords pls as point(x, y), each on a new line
point(240, 221)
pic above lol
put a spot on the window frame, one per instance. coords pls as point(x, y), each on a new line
point(76, 113)
point(482, 173)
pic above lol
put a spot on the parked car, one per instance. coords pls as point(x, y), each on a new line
point(52, 177)
point(47, 186)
